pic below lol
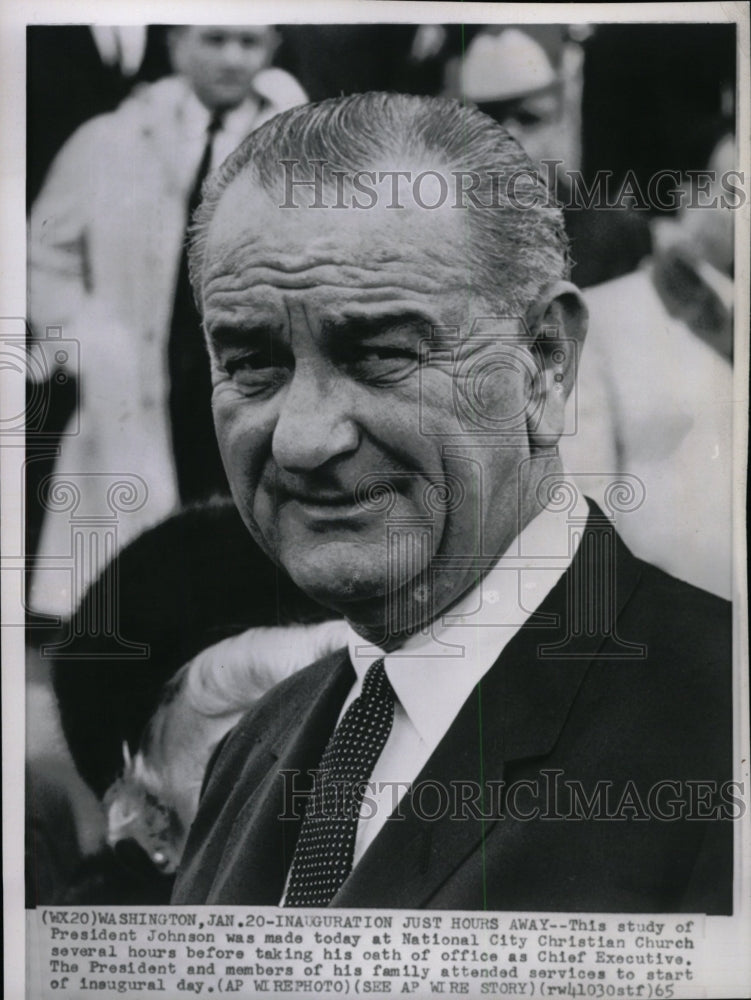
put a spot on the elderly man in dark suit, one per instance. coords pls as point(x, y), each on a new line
point(526, 716)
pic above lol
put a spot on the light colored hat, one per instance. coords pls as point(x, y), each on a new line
point(505, 66)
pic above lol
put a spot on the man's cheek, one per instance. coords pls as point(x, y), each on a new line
point(262, 506)
point(242, 434)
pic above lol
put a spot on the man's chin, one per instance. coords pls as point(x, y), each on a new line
point(341, 580)
point(342, 593)
point(226, 97)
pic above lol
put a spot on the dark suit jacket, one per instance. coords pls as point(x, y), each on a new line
point(640, 697)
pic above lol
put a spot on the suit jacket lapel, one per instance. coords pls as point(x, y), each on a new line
point(516, 712)
point(259, 848)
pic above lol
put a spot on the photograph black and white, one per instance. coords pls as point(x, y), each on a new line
point(374, 459)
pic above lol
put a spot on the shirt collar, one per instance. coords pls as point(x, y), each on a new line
point(235, 121)
point(434, 672)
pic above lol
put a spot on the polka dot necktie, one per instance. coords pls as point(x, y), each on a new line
point(325, 847)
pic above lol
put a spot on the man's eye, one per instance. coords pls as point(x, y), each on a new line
point(384, 364)
point(528, 119)
point(256, 372)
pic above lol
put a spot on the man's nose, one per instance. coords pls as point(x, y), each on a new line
point(233, 54)
point(315, 423)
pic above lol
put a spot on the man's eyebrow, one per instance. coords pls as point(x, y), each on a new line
point(364, 327)
point(229, 335)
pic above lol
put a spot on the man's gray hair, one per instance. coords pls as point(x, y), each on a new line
point(516, 242)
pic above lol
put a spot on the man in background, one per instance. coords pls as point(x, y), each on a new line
point(529, 78)
point(656, 392)
point(630, 414)
point(107, 265)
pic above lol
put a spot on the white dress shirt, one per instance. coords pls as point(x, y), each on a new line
point(435, 671)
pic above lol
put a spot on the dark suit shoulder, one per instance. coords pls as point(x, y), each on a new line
point(284, 702)
point(675, 615)
point(670, 698)
point(691, 598)
point(270, 718)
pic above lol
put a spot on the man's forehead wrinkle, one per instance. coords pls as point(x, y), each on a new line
point(220, 269)
point(257, 254)
point(225, 297)
point(358, 279)
point(224, 290)
point(221, 251)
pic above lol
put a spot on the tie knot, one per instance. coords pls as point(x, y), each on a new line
point(215, 122)
point(375, 683)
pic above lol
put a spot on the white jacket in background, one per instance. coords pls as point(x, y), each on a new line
point(105, 242)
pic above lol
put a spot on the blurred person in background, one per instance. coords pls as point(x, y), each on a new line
point(107, 266)
point(76, 71)
point(655, 393)
point(73, 72)
point(659, 291)
point(529, 79)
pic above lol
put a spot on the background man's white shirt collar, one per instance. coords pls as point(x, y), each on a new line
point(236, 124)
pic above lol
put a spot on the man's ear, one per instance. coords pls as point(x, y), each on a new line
point(557, 323)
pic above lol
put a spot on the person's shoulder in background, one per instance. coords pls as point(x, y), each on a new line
point(279, 88)
point(654, 402)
